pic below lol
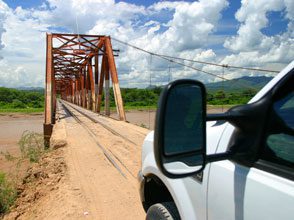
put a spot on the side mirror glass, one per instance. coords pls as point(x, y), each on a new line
point(180, 129)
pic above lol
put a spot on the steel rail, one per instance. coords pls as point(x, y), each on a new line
point(107, 155)
point(93, 135)
point(103, 125)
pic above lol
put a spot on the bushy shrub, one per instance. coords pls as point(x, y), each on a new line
point(17, 104)
point(13, 98)
point(7, 193)
point(31, 145)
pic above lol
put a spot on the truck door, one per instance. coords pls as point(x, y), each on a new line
point(266, 189)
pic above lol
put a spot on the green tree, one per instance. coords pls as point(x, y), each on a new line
point(17, 104)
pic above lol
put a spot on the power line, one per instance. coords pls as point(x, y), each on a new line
point(179, 63)
point(221, 65)
point(172, 61)
point(212, 74)
point(192, 67)
point(196, 61)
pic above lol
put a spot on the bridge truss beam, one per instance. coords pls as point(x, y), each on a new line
point(72, 72)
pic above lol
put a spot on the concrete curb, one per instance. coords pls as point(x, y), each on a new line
point(58, 138)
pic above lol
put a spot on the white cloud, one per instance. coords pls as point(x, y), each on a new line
point(250, 45)
point(18, 76)
point(3, 13)
point(189, 33)
point(23, 49)
point(192, 23)
point(163, 5)
point(87, 13)
point(252, 16)
point(186, 34)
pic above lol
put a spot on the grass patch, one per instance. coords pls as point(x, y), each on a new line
point(8, 156)
point(8, 193)
point(154, 107)
point(220, 106)
point(129, 108)
point(143, 125)
point(141, 108)
point(32, 146)
point(21, 110)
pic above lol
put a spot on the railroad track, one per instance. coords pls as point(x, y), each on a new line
point(110, 155)
point(103, 125)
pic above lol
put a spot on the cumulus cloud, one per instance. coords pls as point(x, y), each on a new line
point(18, 76)
point(188, 31)
point(250, 40)
point(185, 35)
point(3, 14)
point(192, 23)
point(23, 49)
point(88, 13)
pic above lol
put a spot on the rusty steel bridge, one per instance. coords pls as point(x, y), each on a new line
point(79, 68)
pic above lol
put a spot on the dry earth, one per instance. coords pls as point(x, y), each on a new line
point(91, 174)
point(78, 181)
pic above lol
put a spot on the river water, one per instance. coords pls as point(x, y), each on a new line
point(11, 128)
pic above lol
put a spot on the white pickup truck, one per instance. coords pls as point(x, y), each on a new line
point(234, 165)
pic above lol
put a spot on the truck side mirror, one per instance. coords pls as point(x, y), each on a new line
point(180, 129)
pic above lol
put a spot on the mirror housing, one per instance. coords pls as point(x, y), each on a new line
point(180, 129)
point(176, 157)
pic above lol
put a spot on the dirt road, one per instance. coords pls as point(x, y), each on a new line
point(92, 177)
point(102, 164)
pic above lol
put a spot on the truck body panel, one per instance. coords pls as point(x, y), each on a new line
point(226, 189)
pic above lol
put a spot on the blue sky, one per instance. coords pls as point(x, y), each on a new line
point(35, 3)
point(277, 25)
point(24, 3)
point(249, 33)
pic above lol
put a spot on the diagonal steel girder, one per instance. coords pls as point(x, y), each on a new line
point(72, 70)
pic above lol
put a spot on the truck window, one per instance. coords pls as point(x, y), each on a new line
point(279, 139)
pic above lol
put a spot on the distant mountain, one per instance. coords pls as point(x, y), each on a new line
point(35, 89)
point(152, 87)
point(239, 84)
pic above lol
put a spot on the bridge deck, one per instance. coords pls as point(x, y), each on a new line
point(103, 157)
